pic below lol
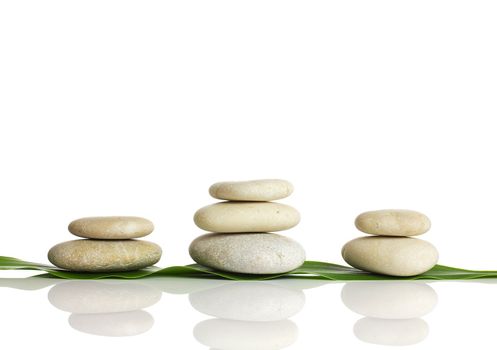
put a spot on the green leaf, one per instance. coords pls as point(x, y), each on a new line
point(310, 269)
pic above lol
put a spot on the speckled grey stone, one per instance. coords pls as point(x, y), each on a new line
point(394, 256)
point(90, 255)
point(111, 227)
point(231, 217)
point(252, 253)
point(393, 222)
point(255, 190)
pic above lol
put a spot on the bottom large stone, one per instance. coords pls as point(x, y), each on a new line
point(88, 255)
point(251, 253)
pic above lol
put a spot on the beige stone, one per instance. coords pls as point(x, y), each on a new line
point(111, 227)
point(89, 255)
point(253, 253)
point(231, 217)
point(393, 222)
point(256, 190)
point(394, 256)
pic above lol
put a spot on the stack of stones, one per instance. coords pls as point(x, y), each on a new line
point(391, 251)
point(109, 245)
point(241, 241)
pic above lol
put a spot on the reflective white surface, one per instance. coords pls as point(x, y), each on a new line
point(218, 314)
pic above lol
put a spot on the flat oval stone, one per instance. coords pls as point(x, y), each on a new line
point(389, 300)
point(91, 255)
point(98, 296)
point(249, 301)
point(255, 190)
point(218, 333)
point(111, 227)
point(252, 253)
point(393, 222)
point(231, 217)
point(394, 256)
point(114, 324)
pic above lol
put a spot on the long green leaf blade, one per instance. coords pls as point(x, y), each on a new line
point(313, 269)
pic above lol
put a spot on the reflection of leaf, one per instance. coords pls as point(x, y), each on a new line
point(310, 269)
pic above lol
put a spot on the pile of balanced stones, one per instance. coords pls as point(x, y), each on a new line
point(241, 240)
point(109, 245)
point(391, 251)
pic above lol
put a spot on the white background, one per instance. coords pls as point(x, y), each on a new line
point(136, 108)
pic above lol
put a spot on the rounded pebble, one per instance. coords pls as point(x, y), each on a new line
point(255, 190)
point(389, 300)
point(249, 301)
point(245, 335)
point(111, 227)
point(232, 217)
point(91, 297)
point(391, 332)
point(252, 253)
point(393, 222)
point(394, 256)
point(89, 255)
point(115, 324)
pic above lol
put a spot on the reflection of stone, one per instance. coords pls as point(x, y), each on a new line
point(110, 307)
point(114, 324)
point(299, 283)
point(182, 285)
point(392, 310)
point(391, 332)
point(29, 283)
point(391, 300)
point(252, 315)
point(241, 335)
point(102, 296)
point(249, 301)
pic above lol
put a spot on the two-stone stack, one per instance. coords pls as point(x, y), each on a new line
point(108, 245)
point(391, 251)
point(242, 240)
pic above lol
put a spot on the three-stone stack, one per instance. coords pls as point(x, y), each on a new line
point(242, 240)
point(108, 245)
point(391, 251)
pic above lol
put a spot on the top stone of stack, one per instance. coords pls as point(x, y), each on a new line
point(393, 222)
point(111, 227)
point(253, 191)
